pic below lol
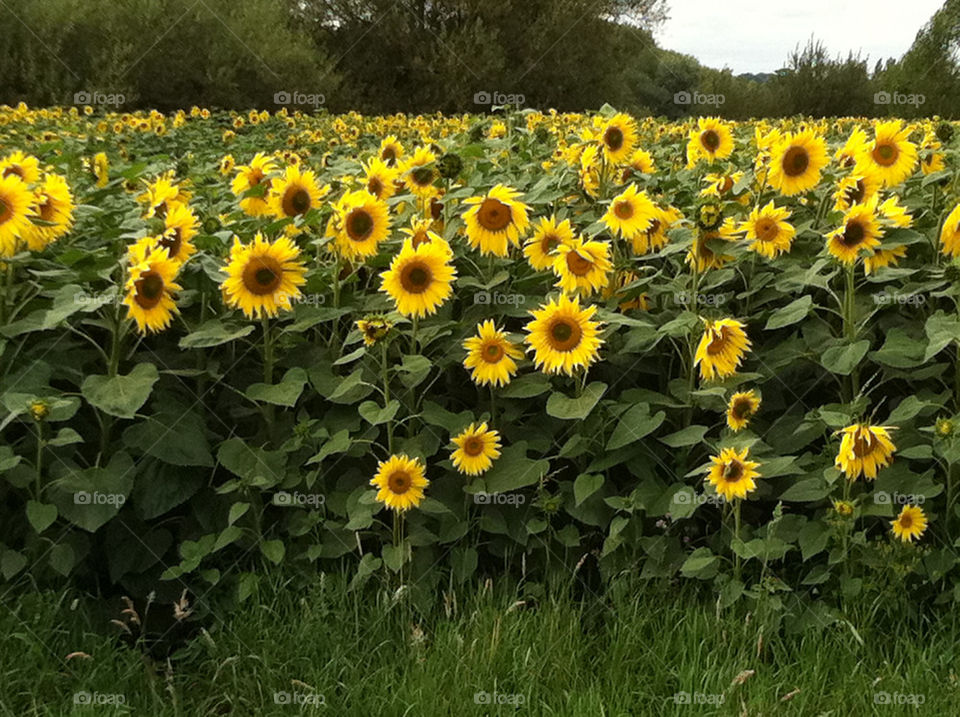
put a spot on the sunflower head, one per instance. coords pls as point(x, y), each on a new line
point(563, 336)
point(732, 474)
point(151, 285)
point(741, 408)
point(722, 348)
point(374, 328)
point(401, 482)
point(477, 448)
point(419, 279)
point(491, 356)
point(910, 525)
point(864, 450)
point(496, 221)
point(263, 277)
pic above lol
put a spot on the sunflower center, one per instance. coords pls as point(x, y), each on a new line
point(473, 446)
point(296, 201)
point(389, 155)
point(359, 224)
point(254, 177)
point(613, 138)
point(262, 275)
point(494, 215)
point(854, 234)
point(419, 238)
point(906, 522)
point(733, 471)
point(742, 408)
point(577, 264)
point(795, 161)
point(46, 210)
point(565, 335)
point(623, 210)
point(767, 230)
point(718, 343)
point(399, 482)
point(885, 154)
point(375, 186)
point(416, 277)
point(14, 170)
point(855, 194)
point(492, 353)
point(149, 289)
point(710, 139)
point(726, 185)
point(548, 242)
point(863, 446)
point(171, 242)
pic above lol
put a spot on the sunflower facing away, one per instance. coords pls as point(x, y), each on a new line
point(53, 203)
point(419, 173)
point(582, 266)
point(15, 213)
point(548, 235)
point(496, 221)
point(949, 235)
point(864, 450)
point(630, 213)
point(910, 524)
point(150, 284)
point(655, 237)
point(891, 154)
point(563, 336)
point(618, 138)
point(20, 164)
point(769, 231)
point(491, 356)
point(420, 232)
point(401, 481)
point(419, 279)
point(796, 162)
point(362, 222)
point(379, 179)
point(742, 407)
point(295, 193)
point(477, 448)
point(250, 176)
point(180, 226)
point(263, 277)
point(711, 140)
point(721, 349)
point(732, 474)
point(860, 231)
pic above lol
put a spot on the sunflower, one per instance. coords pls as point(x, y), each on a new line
point(895, 213)
point(161, 195)
point(619, 282)
point(641, 162)
point(720, 184)
point(796, 162)
point(563, 336)
point(477, 448)
point(419, 173)
point(251, 176)
point(180, 226)
point(150, 284)
point(401, 482)
point(891, 155)
point(548, 235)
point(860, 231)
point(932, 162)
point(769, 231)
point(295, 193)
point(374, 328)
point(101, 169)
point(711, 140)
point(618, 138)
point(20, 164)
point(708, 257)
point(419, 279)
point(864, 450)
point(263, 277)
point(496, 220)
point(15, 212)
point(949, 234)
point(391, 151)
point(847, 155)
point(742, 407)
point(491, 356)
point(227, 163)
point(53, 203)
point(859, 188)
point(655, 236)
point(883, 257)
point(732, 475)
point(362, 222)
point(589, 170)
point(420, 232)
point(910, 524)
point(380, 179)
point(721, 348)
point(630, 213)
point(582, 266)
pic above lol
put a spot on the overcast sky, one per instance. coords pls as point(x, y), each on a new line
point(758, 35)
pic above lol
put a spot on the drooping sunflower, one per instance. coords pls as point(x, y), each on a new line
point(16, 202)
point(722, 348)
point(858, 188)
point(582, 266)
point(732, 474)
point(401, 481)
point(22, 165)
point(419, 279)
point(864, 450)
point(380, 179)
point(891, 154)
point(53, 203)
point(769, 231)
point(180, 226)
point(362, 222)
point(295, 193)
point(655, 236)
point(540, 249)
point(910, 525)
point(741, 408)
point(711, 140)
point(796, 162)
point(618, 286)
point(563, 336)
point(101, 169)
point(618, 138)
point(251, 176)
point(421, 231)
point(860, 232)
point(495, 221)
point(263, 277)
point(374, 329)
point(477, 448)
point(391, 151)
point(150, 285)
point(419, 173)
point(883, 257)
point(641, 162)
point(707, 256)
point(949, 234)
point(630, 213)
point(491, 356)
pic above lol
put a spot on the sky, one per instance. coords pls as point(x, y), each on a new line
point(759, 35)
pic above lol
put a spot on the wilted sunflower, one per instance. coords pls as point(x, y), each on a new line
point(742, 407)
point(419, 279)
point(253, 176)
point(374, 329)
point(860, 232)
point(796, 162)
point(711, 139)
point(180, 226)
point(362, 222)
point(295, 193)
point(495, 221)
point(380, 179)
point(618, 138)
point(769, 231)
point(53, 203)
point(548, 235)
point(732, 474)
point(477, 448)
point(401, 482)
point(891, 154)
point(150, 284)
point(707, 256)
point(563, 336)
point(491, 356)
point(15, 212)
point(859, 188)
point(910, 524)
point(22, 165)
point(630, 213)
point(582, 266)
point(617, 286)
point(949, 235)
point(419, 173)
point(721, 349)
point(391, 151)
point(263, 277)
point(655, 236)
point(864, 450)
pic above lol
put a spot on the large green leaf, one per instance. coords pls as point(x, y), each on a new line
point(578, 407)
point(121, 396)
point(635, 423)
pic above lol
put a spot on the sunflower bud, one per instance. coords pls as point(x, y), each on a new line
point(39, 409)
point(210, 225)
point(709, 216)
point(450, 166)
point(945, 132)
point(843, 507)
point(944, 427)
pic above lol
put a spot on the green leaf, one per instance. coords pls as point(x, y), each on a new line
point(393, 557)
point(90, 498)
point(237, 511)
point(214, 333)
point(284, 393)
point(513, 470)
point(575, 409)
point(701, 564)
point(256, 466)
point(689, 436)
point(941, 331)
point(790, 314)
point(806, 490)
point(172, 436)
point(586, 485)
point(635, 423)
point(375, 414)
point(62, 558)
point(121, 396)
point(11, 563)
point(338, 443)
point(527, 386)
point(843, 359)
point(40, 515)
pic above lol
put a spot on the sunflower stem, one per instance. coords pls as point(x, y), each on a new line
point(736, 537)
point(268, 412)
point(7, 282)
point(850, 324)
point(493, 407)
point(385, 377)
point(39, 460)
point(692, 352)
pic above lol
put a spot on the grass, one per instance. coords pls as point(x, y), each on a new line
point(364, 653)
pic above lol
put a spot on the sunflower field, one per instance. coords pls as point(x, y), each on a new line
point(429, 349)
